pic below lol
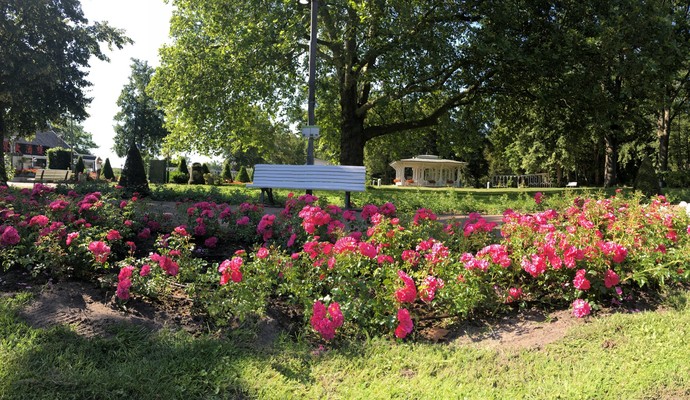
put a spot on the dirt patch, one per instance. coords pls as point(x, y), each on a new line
point(527, 330)
point(92, 311)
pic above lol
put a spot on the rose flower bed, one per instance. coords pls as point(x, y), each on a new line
point(351, 273)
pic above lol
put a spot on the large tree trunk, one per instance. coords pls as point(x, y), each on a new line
point(611, 159)
point(352, 138)
point(663, 131)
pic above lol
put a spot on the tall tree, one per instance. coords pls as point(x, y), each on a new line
point(140, 119)
point(580, 74)
point(45, 48)
point(675, 93)
point(383, 68)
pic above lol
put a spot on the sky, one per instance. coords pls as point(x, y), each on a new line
point(147, 23)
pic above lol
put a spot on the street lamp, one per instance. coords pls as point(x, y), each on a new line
point(311, 130)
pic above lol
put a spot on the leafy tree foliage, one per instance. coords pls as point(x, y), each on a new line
point(45, 47)
point(579, 82)
point(74, 134)
point(140, 120)
point(383, 68)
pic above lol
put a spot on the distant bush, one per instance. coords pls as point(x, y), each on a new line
point(678, 179)
point(204, 169)
point(243, 176)
point(178, 177)
point(133, 177)
point(196, 176)
point(212, 179)
point(59, 158)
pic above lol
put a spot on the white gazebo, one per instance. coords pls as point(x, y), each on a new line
point(427, 170)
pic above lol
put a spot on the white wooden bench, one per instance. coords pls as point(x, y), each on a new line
point(571, 184)
point(53, 175)
point(347, 178)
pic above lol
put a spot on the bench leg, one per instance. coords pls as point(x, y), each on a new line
point(269, 193)
point(348, 205)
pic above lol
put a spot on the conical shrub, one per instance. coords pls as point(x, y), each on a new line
point(108, 170)
point(133, 177)
point(227, 171)
point(242, 175)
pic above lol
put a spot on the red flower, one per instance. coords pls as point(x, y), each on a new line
point(581, 308)
point(611, 279)
point(113, 235)
point(405, 326)
point(262, 253)
point(580, 282)
point(407, 293)
point(427, 290)
point(321, 322)
point(100, 250)
point(9, 236)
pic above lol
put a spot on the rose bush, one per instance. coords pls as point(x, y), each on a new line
point(348, 272)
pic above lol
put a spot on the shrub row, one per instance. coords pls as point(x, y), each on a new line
point(351, 273)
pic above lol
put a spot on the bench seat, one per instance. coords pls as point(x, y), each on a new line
point(347, 178)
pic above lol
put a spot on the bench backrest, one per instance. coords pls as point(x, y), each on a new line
point(348, 178)
point(53, 174)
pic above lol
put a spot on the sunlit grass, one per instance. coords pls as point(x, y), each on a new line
point(631, 356)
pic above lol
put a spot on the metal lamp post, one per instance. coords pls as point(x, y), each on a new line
point(311, 130)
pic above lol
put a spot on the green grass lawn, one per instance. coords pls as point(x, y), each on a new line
point(407, 199)
point(625, 356)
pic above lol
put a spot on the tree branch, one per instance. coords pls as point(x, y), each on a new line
point(464, 97)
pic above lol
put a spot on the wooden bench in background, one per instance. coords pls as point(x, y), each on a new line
point(52, 175)
point(347, 178)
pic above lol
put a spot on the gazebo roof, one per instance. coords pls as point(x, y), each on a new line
point(427, 160)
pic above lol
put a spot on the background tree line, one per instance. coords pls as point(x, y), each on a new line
point(580, 89)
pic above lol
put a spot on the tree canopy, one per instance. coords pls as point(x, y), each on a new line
point(383, 67)
point(45, 48)
point(140, 119)
point(575, 87)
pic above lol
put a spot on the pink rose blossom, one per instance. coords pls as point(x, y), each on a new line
point(611, 279)
point(9, 236)
point(581, 308)
point(580, 282)
point(100, 250)
point(113, 235)
point(405, 326)
point(407, 293)
point(262, 253)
